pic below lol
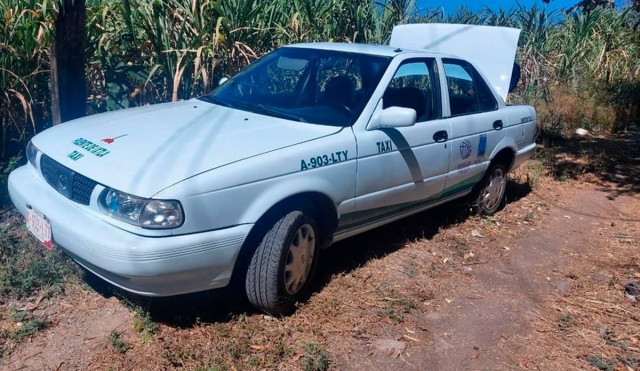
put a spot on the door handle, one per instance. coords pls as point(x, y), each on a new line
point(497, 125)
point(441, 136)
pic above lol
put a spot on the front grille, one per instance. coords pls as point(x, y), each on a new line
point(70, 184)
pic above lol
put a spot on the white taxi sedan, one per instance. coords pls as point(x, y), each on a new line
point(311, 144)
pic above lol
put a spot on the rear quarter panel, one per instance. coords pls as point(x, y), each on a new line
point(520, 128)
point(522, 124)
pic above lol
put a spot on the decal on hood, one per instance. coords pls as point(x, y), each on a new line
point(111, 140)
point(75, 155)
point(91, 147)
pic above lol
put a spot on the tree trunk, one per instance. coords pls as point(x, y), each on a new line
point(68, 83)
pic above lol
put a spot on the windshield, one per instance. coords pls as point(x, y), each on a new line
point(308, 85)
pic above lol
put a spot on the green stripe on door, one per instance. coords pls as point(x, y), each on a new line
point(462, 186)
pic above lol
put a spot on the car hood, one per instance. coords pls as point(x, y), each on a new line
point(146, 149)
point(491, 49)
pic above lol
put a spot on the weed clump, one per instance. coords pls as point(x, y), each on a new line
point(315, 359)
point(144, 324)
point(26, 266)
point(601, 363)
point(119, 345)
point(25, 326)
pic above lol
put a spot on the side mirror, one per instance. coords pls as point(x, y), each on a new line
point(393, 117)
point(222, 80)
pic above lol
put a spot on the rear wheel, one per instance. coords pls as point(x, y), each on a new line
point(491, 190)
point(283, 265)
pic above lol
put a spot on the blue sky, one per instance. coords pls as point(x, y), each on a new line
point(450, 6)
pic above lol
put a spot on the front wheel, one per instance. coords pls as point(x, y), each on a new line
point(283, 265)
point(491, 191)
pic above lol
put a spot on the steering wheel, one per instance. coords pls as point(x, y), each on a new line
point(340, 106)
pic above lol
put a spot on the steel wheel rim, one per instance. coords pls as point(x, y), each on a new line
point(299, 259)
point(494, 190)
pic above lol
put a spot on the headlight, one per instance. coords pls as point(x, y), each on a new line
point(143, 212)
point(32, 153)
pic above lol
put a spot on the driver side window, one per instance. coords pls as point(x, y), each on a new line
point(415, 85)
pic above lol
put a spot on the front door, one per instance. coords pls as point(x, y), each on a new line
point(399, 168)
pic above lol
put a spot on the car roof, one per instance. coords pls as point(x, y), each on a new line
point(371, 49)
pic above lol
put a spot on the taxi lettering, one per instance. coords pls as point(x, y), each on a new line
point(386, 146)
point(91, 147)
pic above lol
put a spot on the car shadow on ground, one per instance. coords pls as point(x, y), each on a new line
point(222, 305)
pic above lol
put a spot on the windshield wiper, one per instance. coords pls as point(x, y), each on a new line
point(214, 100)
point(277, 113)
point(261, 108)
point(256, 108)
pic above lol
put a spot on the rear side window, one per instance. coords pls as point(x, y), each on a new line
point(416, 85)
point(468, 92)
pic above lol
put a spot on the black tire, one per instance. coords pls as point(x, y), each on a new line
point(483, 203)
point(266, 275)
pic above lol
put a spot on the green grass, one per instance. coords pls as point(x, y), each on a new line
point(29, 328)
point(396, 309)
point(315, 359)
point(119, 345)
point(142, 323)
point(25, 325)
point(26, 267)
point(601, 363)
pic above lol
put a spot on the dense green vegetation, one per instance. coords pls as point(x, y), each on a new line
point(140, 52)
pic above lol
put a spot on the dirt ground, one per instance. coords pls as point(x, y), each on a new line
point(538, 286)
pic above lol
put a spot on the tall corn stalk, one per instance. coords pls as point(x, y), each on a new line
point(24, 38)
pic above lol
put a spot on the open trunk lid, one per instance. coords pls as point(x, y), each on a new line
point(491, 49)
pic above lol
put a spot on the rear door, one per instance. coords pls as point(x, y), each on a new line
point(476, 125)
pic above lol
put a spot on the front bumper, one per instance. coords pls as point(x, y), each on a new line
point(150, 266)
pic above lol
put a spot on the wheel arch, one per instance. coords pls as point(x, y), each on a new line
point(321, 205)
point(325, 215)
point(504, 153)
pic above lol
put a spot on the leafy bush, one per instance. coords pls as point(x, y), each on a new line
point(624, 96)
point(569, 110)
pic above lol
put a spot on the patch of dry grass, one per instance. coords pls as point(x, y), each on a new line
point(594, 326)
